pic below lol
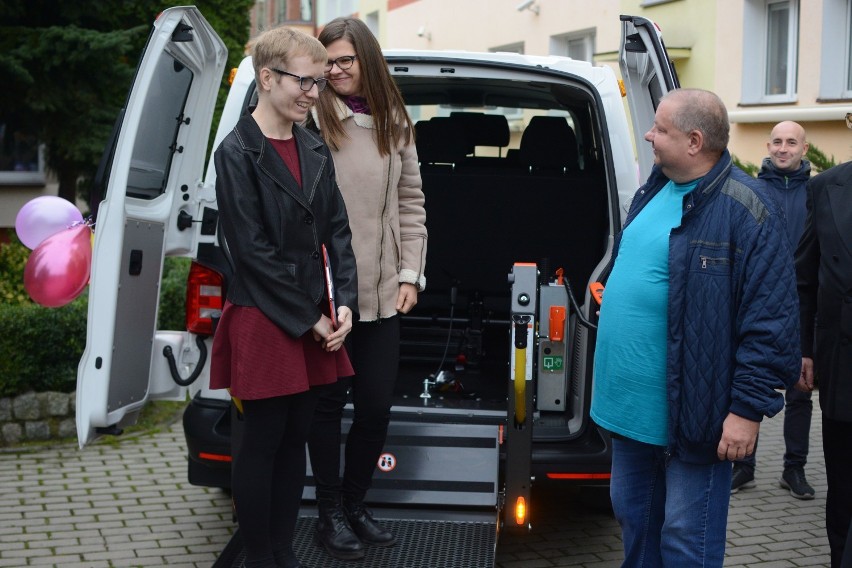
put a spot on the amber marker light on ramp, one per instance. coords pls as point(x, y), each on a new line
point(520, 511)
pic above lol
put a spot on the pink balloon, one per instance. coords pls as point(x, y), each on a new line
point(44, 216)
point(58, 269)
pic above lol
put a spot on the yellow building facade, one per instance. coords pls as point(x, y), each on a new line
point(769, 60)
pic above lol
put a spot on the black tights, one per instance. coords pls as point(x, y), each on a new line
point(374, 352)
point(268, 473)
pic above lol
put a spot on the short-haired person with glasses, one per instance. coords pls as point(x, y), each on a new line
point(824, 272)
point(278, 201)
point(363, 119)
point(305, 83)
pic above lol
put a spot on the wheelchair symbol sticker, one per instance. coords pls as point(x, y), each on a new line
point(387, 462)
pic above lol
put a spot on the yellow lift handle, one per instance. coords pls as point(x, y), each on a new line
point(521, 324)
point(520, 385)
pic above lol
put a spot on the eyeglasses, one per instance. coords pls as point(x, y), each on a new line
point(344, 62)
point(849, 120)
point(305, 83)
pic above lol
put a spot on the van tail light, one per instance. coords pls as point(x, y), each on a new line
point(203, 299)
point(580, 476)
point(214, 457)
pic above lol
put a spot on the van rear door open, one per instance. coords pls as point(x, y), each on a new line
point(648, 74)
point(153, 186)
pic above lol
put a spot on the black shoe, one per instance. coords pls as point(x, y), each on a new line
point(263, 563)
point(793, 479)
point(286, 559)
point(335, 534)
point(362, 522)
point(742, 479)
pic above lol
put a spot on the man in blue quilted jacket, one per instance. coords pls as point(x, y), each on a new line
point(698, 329)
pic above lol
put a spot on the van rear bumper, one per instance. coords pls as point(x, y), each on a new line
point(207, 427)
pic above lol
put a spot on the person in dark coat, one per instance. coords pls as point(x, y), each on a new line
point(786, 174)
point(824, 272)
point(280, 210)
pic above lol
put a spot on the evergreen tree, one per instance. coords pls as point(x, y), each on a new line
point(819, 161)
point(67, 68)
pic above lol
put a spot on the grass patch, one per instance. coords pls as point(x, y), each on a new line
point(155, 417)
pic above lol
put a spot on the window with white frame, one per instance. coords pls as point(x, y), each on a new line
point(329, 9)
point(770, 51)
point(836, 63)
point(576, 45)
point(21, 155)
point(294, 11)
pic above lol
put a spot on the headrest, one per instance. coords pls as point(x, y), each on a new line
point(484, 129)
point(549, 142)
point(441, 141)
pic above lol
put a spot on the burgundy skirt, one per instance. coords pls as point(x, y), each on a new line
point(256, 359)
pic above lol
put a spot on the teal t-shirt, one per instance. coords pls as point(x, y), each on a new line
point(629, 392)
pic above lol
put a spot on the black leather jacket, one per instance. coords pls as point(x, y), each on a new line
point(274, 230)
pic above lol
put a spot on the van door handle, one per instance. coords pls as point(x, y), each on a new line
point(135, 268)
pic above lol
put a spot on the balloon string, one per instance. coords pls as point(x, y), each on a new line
point(88, 221)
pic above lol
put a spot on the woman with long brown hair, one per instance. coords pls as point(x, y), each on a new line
point(363, 119)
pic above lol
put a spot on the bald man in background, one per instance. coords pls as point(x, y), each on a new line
point(786, 174)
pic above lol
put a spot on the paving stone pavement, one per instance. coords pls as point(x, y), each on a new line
point(127, 503)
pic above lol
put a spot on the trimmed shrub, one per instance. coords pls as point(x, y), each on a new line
point(41, 346)
point(13, 258)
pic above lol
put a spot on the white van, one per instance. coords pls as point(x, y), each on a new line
point(528, 168)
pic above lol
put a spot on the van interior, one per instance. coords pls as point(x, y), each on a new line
point(513, 171)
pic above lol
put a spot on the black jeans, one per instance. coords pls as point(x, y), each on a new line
point(373, 349)
point(797, 427)
point(268, 473)
point(836, 444)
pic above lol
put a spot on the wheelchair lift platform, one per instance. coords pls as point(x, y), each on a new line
point(421, 543)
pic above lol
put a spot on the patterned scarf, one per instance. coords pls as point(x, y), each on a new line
point(358, 105)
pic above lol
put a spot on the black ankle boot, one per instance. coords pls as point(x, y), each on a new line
point(334, 532)
point(286, 558)
point(362, 522)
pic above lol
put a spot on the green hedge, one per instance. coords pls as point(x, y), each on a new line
point(13, 258)
point(41, 347)
point(173, 294)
